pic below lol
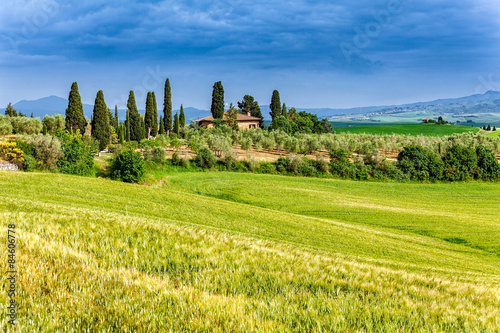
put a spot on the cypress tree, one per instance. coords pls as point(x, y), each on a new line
point(148, 116)
point(116, 122)
point(275, 105)
point(121, 135)
point(217, 107)
point(176, 123)
point(154, 131)
point(283, 111)
point(100, 121)
point(162, 128)
point(167, 107)
point(75, 120)
point(136, 126)
point(127, 126)
point(182, 118)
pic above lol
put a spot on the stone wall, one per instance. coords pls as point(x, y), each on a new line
point(8, 167)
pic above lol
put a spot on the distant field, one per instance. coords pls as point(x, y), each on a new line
point(408, 129)
point(222, 252)
point(493, 134)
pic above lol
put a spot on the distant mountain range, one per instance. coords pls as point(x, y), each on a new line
point(57, 105)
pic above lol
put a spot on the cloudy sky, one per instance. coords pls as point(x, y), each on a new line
point(317, 53)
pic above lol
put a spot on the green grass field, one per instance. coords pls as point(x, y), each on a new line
point(408, 129)
point(493, 134)
point(241, 252)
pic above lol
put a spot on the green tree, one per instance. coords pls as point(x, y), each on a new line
point(154, 130)
point(459, 163)
point(283, 111)
point(127, 126)
point(162, 127)
point(100, 121)
point(115, 121)
point(148, 116)
point(135, 124)
point(182, 118)
point(128, 166)
point(167, 107)
point(487, 163)
point(232, 117)
point(275, 105)
point(250, 105)
point(75, 120)
point(327, 126)
point(10, 111)
point(79, 154)
point(217, 107)
point(176, 123)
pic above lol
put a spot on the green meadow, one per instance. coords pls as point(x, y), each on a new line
point(220, 251)
point(408, 129)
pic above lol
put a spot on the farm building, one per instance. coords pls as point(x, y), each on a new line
point(245, 121)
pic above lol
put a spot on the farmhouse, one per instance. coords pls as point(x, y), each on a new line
point(245, 121)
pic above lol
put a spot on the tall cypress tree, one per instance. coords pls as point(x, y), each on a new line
point(182, 118)
point(148, 116)
point(162, 128)
point(75, 120)
point(100, 121)
point(217, 107)
point(275, 105)
point(154, 131)
point(136, 126)
point(283, 111)
point(115, 122)
point(176, 123)
point(167, 107)
point(127, 126)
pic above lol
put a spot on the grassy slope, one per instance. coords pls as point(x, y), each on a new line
point(410, 129)
point(493, 134)
point(95, 254)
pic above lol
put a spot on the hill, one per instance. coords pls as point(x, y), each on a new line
point(251, 253)
point(480, 109)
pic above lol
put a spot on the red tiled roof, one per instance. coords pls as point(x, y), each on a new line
point(241, 117)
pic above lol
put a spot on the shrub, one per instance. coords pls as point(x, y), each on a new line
point(128, 166)
point(246, 143)
point(321, 164)
point(5, 125)
point(175, 158)
point(24, 125)
point(79, 152)
point(29, 163)
point(52, 124)
point(420, 163)
point(229, 159)
point(294, 164)
point(11, 153)
point(459, 163)
point(46, 150)
point(267, 168)
point(205, 158)
point(282, 164)
point(307, 167)
point(158, 155)
point(340, 164)
point(487, 163)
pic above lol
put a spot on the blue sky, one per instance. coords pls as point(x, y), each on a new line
point(316, 53)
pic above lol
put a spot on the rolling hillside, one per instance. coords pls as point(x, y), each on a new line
point(242, 252)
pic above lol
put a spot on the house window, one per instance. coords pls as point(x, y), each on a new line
point(252, 126)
